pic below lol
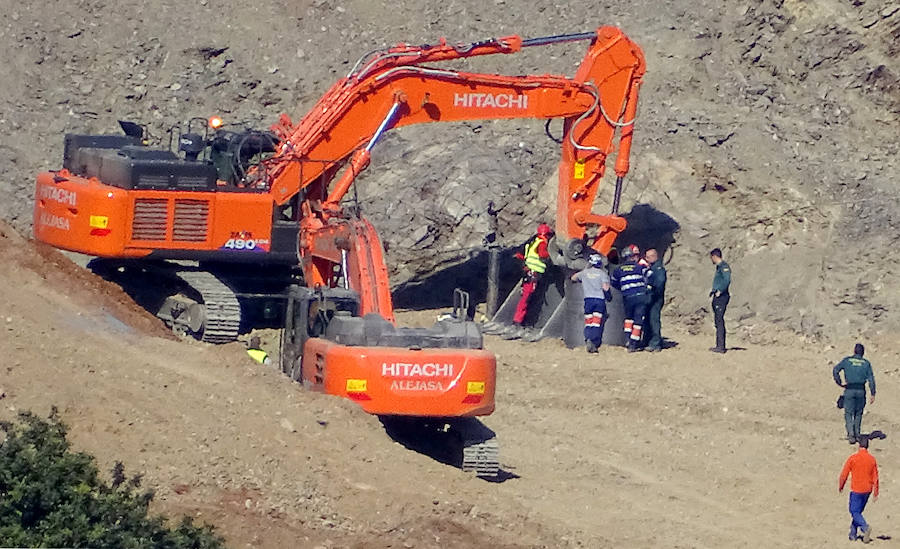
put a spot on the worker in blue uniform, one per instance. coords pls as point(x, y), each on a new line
point(629, 279)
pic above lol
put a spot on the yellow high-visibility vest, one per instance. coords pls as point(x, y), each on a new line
point(258, 355)
point(532, 260)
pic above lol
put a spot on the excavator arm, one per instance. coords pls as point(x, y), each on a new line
point(392, 88)
point(119, 200)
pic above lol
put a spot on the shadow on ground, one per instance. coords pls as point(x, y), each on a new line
point(437, 439)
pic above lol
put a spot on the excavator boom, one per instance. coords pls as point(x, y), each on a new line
point(284, 207)
point(598, 100)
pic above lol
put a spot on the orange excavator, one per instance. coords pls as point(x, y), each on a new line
point(211, 234)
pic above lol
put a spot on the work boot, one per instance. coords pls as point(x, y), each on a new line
point(492, 328)
point(867, 534)
point(717, 350)
point(532, 335)
point(632, 348)
point(515, 332)
point(502, 329)
point(851, 439)
point(591, 348)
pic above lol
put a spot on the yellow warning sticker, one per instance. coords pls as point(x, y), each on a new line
point(475, 387)
point(99, 221)
point(356, 385)
point(579, 169)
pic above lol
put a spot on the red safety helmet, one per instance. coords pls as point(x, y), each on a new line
point(544, 230)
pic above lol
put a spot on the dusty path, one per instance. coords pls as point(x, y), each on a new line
point(678, 449)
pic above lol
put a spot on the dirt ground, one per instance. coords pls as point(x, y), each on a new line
point(678, 449)
point(767, 128)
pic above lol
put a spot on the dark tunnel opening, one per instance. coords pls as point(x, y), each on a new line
point(647, 227)
point(436, 290)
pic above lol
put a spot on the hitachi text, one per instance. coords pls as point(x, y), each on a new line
point(56, 194)
point(412, 369)
point(486, 100)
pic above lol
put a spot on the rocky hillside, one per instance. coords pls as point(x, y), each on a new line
point(767, 127)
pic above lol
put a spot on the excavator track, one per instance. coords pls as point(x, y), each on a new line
point(204, 306)
point(480, 451)
point(482, 457)
point(464, 442)
point(221, 309)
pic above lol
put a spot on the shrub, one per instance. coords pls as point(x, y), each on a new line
point(51, 496)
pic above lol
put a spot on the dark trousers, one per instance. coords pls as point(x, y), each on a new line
point(854, 404)
point(719, 304)
point(654, 323)
point(635, 309)
point(858, 502)
point(594, 315)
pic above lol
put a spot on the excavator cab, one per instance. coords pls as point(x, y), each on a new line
point(308, 314)
point(237, 156)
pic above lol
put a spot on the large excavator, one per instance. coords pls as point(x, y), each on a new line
point(211, 234)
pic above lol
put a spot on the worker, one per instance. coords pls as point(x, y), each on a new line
point(857, 371)
point(720, 297)
point(535, 258)
point(644, 262)
point(862, 469)
point(257, 354)
point(656, 289)
point(629, 279)
point(595, 281)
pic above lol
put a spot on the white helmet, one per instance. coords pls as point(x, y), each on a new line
point(630, 251)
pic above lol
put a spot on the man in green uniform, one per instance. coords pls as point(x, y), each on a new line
point(656, 286)
point(720, 297)
point(857, 371)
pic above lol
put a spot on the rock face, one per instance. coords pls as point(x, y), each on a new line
point(766, 128)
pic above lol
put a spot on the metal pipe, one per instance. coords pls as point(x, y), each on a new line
point(363, 59)
point(544, 40)
point(344, 269)
point(618, 195)
point(365, 70)
point(383, 127)
point(469, 78)
point(420, 70)
point(493, 286)
point(492, 299)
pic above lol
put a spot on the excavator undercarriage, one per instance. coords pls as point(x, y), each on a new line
point(208, 302)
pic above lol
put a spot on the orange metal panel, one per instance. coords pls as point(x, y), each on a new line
point(242, 215)
point(390, 380)
point(63, 209)
point(84, 215)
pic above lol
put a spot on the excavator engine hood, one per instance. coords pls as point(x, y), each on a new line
point(398, 381)
point(441, 371)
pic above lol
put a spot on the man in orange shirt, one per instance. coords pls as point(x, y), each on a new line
point(863, 472)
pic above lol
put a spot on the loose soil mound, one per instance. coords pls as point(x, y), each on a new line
point(681, 448)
